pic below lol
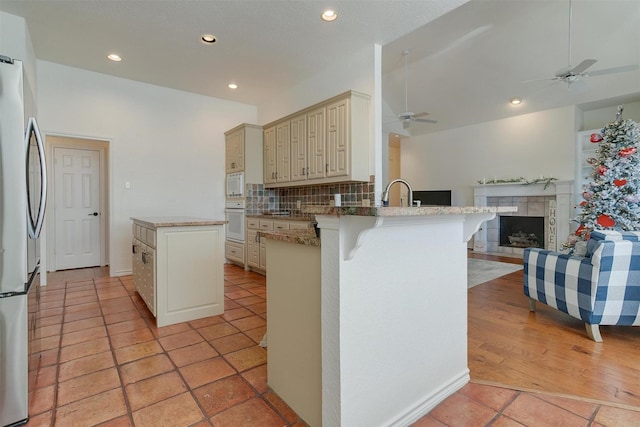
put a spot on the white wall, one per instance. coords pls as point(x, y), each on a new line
point(168, 144)
point(597, 119)
point(526, 146)
point(336, 78)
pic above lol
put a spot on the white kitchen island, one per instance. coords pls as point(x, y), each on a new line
point(178, 267)
point(393, 310)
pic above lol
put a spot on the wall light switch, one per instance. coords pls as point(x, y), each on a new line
point(298, 204)
point(366, 202)
point(127, 185)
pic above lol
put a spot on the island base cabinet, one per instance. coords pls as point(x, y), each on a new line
point(182, 278)
point(294, 370)
point(144, 273)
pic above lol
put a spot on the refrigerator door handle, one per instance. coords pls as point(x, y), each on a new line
point(36, 227)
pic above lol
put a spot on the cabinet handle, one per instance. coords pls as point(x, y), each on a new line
point(133, 249)
point(326, 167)
point(144, 257)
point(273, 175)
point(303, 174)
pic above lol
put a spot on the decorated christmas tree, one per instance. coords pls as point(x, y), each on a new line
point(612, 197)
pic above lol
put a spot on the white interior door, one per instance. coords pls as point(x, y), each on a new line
point(77, 208)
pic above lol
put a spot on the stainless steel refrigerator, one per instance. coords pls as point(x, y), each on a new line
point(22, 202)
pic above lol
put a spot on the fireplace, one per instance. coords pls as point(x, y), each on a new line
point(552, 204)
point(522, 231)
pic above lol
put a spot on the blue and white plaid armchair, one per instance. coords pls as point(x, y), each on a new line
point(602, 288)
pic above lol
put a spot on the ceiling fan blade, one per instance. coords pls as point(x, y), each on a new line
point(425, 120)
point(612, 70)
point(582, 67)
point(420, 114)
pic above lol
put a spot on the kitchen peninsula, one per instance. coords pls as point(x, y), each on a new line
point(393, 309)
point(178, 267)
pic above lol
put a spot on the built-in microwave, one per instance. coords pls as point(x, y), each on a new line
point(235, 184)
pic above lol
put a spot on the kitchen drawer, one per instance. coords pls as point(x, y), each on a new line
point(234, 251)
point(145, 235)
point(266, 225)
point(295, 225)
point(253, 223)
point(280, 225)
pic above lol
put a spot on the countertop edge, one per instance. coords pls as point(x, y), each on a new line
point(405, 211)
point(176, 221)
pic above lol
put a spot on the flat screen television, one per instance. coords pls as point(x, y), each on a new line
point(433, 197)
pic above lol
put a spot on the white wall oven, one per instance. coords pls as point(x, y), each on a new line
point(234, 214)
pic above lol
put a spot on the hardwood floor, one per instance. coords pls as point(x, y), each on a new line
point(547, 351)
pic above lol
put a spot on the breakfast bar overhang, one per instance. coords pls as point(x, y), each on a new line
point(393, 309)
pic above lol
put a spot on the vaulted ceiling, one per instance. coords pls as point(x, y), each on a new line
point(466, 59)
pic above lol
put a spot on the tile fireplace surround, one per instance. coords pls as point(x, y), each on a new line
point(531, 200)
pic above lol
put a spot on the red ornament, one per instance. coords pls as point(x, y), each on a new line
point(606, 221)
point(580, 230)
point(595, 137)
point(619, 182)
point(583, 203)
point(627, 152)
point(601, 170)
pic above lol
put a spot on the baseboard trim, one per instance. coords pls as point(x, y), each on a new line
point(430, 401)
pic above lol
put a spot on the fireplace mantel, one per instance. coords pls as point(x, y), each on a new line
point(562, 190)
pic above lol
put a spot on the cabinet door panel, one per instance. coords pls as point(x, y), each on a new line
point(270, 155)
point(299, 148)
point(253, 249)
point(337, 163)
point(283, 152)
point(316, 143)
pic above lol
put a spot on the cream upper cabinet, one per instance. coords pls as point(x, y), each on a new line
point(337, 159)
point(269, 155)
point(298, 148)
point(277, 160)
point(328, 142)
point(316, 131)
point(283, 152)
point(243, 152)
point(234, 151)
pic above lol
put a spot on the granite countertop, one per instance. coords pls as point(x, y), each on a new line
point(302, 236)
point(175, 221)
point(405, 211)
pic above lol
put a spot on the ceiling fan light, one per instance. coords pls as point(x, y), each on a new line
point(114, 57)
point(515, 101)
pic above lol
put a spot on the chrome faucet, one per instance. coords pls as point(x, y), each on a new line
point(385, 193)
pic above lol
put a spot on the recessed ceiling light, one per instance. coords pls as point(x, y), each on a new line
point(233, 86)
point(329, 15)
point(114, 57)
point(208, 39)
point(515, 101)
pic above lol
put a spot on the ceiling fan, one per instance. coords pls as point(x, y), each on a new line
point(409, 117)
point(577, 74)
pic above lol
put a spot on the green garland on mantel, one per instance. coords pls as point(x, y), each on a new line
point(521, 180)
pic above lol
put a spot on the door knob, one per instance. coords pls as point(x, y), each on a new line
point(93, 214)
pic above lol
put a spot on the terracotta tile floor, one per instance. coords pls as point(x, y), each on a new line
point(103, 362)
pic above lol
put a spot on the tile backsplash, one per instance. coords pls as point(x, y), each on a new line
point(260, 200)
